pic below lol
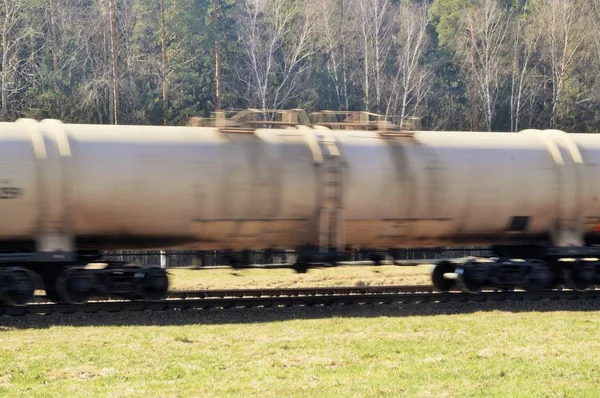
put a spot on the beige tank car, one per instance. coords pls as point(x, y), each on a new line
point(68, 190)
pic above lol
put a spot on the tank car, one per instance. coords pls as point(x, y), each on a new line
point(68, 191)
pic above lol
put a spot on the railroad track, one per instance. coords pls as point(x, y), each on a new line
point(277, 292)
point(320, 296)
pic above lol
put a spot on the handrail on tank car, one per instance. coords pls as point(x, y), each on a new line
point(248, 120)
point(253, 118)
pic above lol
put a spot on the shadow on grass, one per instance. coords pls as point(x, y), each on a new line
point(265, 315)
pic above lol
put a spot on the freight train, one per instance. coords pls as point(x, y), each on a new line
point(69, 191)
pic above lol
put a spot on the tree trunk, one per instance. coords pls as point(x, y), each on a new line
point(113, 57)
point(342, 25)
point(54, 35)
point(4, 74)
point(217, 78)
point(377, 63)
point(366, 48)
point(473, 84)
point(163, 48)
point(217, 61)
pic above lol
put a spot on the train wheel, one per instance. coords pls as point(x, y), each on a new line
point(17, 286)
point(437, 276)
point(596, 273)
point(153, 283)
point(301, 268)
point(377, 257)
point(75, 285)
point(580, 275)
point(540, 277)
point(470, 279)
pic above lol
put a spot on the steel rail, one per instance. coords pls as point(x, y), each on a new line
point(302, 291)
point(275, 292)
point(297, 300)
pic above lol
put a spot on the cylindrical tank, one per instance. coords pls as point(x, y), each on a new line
point(129, 186)
point(117, 187)
point(447, 188)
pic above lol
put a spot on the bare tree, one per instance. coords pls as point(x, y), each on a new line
point(15, 36)
point(164, 60)
point(594, 22)
point(410, 83)
point(216, 16)
point(275, 39)
point(563, 38)
point(105, 60)
point(483, 52)
point(92, 48)
point(523, 82)
point(98, 57)
point(377, 29)
point(63, 42)
point(114, 76)
point(331, 28)
point(344, 19)
point(594, 7)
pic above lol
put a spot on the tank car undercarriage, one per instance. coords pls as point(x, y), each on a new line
point(77, 282)
point(531, 269)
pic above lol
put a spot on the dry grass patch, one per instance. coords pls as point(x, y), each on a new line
point(81, 373)
point(191, 279)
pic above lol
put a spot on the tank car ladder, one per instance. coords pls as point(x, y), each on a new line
point(331, 213)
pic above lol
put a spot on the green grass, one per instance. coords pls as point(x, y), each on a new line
point(192, 279)
point(424, 350)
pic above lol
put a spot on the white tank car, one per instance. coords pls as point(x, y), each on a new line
point(68, 190)
point(446, 188)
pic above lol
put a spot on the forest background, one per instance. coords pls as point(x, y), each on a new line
point(501, 65)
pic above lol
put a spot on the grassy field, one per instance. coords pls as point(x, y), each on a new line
point(528, 349)
point(192, 279)
point(443, 350)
